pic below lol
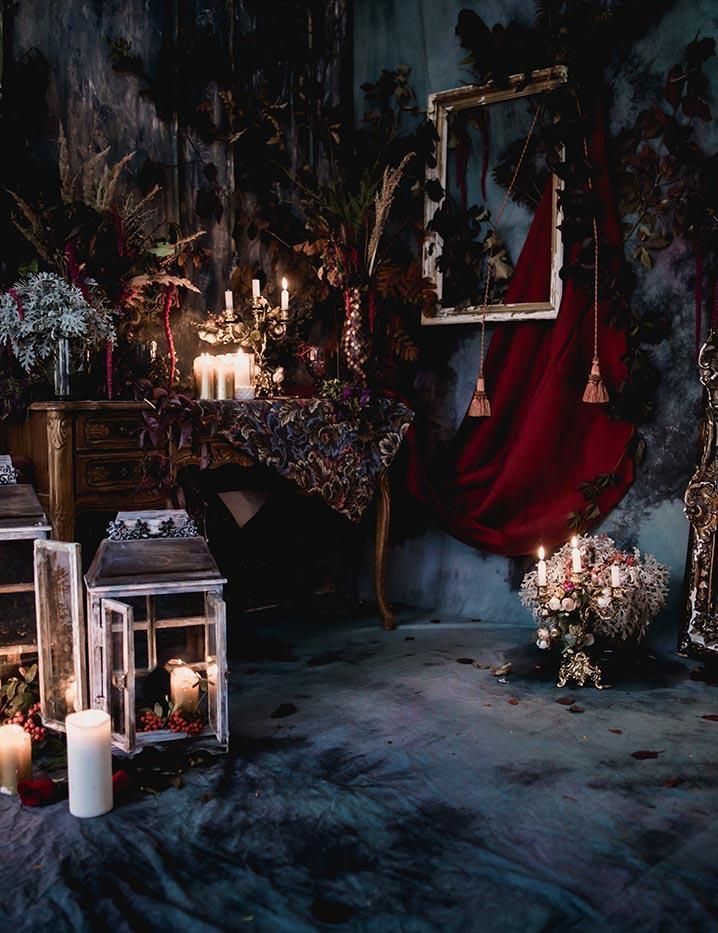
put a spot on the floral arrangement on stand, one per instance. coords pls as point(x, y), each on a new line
point(589, 590)
point(104, 244)
point(348, 252)
point(47, 320)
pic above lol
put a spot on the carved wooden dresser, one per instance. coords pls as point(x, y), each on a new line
point(86, 455)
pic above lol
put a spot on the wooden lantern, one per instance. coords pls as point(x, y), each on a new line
point(157, 632)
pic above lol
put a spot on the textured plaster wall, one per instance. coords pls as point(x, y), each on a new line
point(434, 569)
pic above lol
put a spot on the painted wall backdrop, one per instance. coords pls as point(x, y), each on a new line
point(430, 568)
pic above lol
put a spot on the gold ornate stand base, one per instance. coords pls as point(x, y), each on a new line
point(577, 666)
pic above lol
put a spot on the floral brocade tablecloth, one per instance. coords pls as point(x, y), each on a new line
point(333, 449)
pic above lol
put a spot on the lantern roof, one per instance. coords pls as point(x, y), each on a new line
point(153, 564)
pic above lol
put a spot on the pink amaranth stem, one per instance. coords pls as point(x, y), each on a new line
point(170, 299)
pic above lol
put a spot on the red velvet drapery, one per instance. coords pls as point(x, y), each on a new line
point(512, 479)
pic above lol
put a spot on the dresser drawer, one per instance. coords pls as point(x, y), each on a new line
point(107, 472)
point(107, 430)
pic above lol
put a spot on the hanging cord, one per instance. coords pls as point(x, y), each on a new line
point(595, 392)
point(480, 406)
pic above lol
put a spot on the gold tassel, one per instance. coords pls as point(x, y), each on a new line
point(480, 406)
point(595, 392)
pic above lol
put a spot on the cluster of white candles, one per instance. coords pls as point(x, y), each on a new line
point(228, 375)
point(576, 565)
point(89, 747)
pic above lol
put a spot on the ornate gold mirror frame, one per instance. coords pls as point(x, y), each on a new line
point(699, 632)
point(440, 107)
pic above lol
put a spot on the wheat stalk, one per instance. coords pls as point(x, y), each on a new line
point(382, 206)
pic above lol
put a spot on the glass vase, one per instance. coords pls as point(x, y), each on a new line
point(61, 368)
point(356, 343)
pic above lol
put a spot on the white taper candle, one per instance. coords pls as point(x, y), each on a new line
point(542, 567)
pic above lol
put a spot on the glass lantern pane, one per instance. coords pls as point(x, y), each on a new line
point(60, 630)
point(120, 654)
point(216, 660)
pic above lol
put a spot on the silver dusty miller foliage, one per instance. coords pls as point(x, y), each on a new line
point(41, 309)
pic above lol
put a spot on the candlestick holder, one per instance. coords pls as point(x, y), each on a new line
point(261, 329)
point(576, 666)
point(578, 609)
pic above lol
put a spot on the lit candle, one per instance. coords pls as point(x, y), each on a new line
point(575, 555)
point(184, 688)
point(284, 305)
point(542, 567)
point(89, 763)
point(71, 696)
point(224, 376)
point(256, 291)
point(615, 575)
point(243, 364)
point(228, 300)
point(203, 369)
point(15, 757)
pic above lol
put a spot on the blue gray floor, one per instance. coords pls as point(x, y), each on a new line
point(407, 792)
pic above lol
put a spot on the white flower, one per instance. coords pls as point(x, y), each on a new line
point(568, 604)
point(542, 643)
point(603, 602)
point(542, 634)
point(278, 375)
point(554, 603)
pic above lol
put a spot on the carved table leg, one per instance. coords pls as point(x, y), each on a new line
point(61, 475)
point(383, 515)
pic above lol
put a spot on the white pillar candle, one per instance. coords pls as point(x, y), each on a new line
point(256, 291)
point(203, 369)
point(615, 575)
point(184, 688)
point(15, 757)
point(228, 300)
point(223, 376)
point(284, 304)
point(243, 362)
point(89, 763)
point(71, 696)
point(542, 567)
point(575, 555)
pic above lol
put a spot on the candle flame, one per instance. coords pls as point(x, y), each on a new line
point(542, 553)
point(285, 284)
point(574, 541)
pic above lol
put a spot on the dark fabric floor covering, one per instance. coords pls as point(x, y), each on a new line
point(408, 792)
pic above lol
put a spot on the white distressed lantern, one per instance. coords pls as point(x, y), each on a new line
point(157, 633)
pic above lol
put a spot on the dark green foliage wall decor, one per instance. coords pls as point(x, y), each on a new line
point(667, 186)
